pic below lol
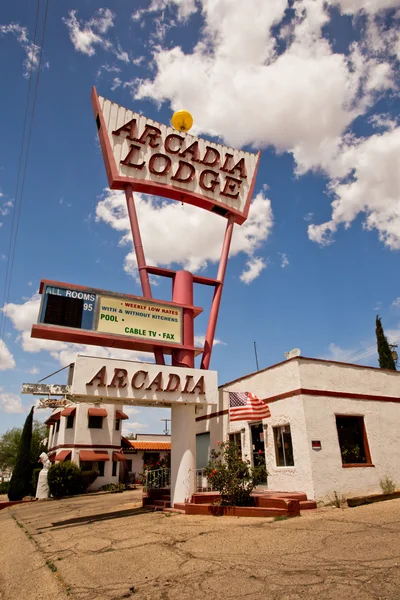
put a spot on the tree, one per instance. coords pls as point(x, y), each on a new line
point(10, 440)
point(386, 360)
point(21, 478)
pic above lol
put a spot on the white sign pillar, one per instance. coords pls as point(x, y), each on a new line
point(183, 452)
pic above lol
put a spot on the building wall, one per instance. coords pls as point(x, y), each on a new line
point(319, 472)
point(81, 437)
point(341, 377)
point(382, 424)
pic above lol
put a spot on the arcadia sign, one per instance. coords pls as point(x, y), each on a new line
point(142, 383)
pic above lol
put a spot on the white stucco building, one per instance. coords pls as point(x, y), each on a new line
point(333, 426)
point(90, 436)
point(146, 448)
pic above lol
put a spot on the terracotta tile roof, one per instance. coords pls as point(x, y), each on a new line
point(149, 445)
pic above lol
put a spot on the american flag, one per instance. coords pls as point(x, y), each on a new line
point(245, 406)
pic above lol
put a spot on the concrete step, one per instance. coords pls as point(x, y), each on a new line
point(307, 504)
point(174, 510)
point(163, 503)
point(180, 506)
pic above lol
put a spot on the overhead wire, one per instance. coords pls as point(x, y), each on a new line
point(18, 201)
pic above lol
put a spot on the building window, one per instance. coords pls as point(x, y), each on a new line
point(57, 426)
point(236, 438)
point(283, 446)
point(70, 421)
point(352, 440)
point(117, 424)
point(95, 422)
point(86, 465)
point(114, 468)
point(129, 464)
point(202, 450)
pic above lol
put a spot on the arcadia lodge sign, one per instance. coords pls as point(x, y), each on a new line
point(157, 159)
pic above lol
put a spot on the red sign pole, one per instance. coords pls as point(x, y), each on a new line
point(182, 293)
point(140, 258)
point(216, 302)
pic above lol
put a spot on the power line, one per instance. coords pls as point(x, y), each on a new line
point(18, 202)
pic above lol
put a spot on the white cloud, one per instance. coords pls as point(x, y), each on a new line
point(129, 427)
point(164, 222)
point(121, 54)
point(116, 83)
point(254, 266)
point(10, 403)
point(5, 208)
point(185, 8)
point(369, 184)
point(199, 340)
point(299, 96)
point(6, 358)
point(352, 7)
point(33, 370)
point(284, 261)
point(396, 302)
point(85, 35)
point(31, 50)
point(362, 353)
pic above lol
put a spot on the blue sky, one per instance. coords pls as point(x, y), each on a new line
point(312, 83)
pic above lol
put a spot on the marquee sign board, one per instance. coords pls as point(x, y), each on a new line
point(157, 159)
point(92, 316)
point(141, 384)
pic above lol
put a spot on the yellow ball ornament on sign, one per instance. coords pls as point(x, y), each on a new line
point(182, 120)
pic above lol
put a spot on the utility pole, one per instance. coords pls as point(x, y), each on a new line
point(255, 353)
point(166, 432)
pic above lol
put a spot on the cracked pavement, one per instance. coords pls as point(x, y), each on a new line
point(105, 547)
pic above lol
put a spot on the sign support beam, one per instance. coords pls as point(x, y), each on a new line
point(216, 302)
point(140, 258)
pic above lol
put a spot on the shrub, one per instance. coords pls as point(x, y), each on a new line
point(337, 500)
point(64, 479)
point(232, 476)
point(86, 479)
point(4, 487)
point(115, 488)
point(387, 485)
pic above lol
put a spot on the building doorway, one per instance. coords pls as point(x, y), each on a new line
point(258, 445)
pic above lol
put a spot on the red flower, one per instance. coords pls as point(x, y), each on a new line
point(260, 452)
point(214, 471)
point(218, 443)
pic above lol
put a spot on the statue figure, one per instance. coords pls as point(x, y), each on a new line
point(42, 490)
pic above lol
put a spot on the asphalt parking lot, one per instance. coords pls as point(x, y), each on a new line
point(105, 547)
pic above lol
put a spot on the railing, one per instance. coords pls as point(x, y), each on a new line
point(202, 483)
point(159, 478)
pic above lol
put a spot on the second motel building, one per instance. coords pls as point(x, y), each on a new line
point(333, 427)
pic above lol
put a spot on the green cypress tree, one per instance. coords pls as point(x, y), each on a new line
point(21, 479)
point(386, 360)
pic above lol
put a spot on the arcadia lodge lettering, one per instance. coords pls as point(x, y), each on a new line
point(184, 172)
point(141, 381)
